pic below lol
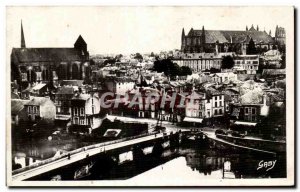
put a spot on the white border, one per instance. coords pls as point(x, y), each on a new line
point(290, 58)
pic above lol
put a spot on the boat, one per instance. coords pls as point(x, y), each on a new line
point(84, 171)
point(165, 144)
point(148, 150)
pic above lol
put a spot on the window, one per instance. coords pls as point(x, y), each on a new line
point(253, 111)
point(29, 109)
point(81, 121)
point(75, 111)
point(246, 110)
point(76, 120)
point(58, 109)
point(216, 104)
point(93, 109)
point(220, 103)
point(208, 113)
point(220, 97)
point(216, 112)
point(220, 111)
point(216, 97)
point(255, 62)
point(81, 111)
point(34, 109)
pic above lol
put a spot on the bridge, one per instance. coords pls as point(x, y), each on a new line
point(80, 154)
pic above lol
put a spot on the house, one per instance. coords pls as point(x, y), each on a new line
point(195, 107)
point(62, 102)
point(248, 63)
point(17, 112)
point(39, 90)
point(119, 85)
point(273, 74)
point(214, 105)
point(40, 108)
point(272, 58)
point(85, 110)
point(250, 109)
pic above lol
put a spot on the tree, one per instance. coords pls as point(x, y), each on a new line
point(152, 54)
point(139, 57)
point(184, 70)
point(283, 62)
point(167, 66)
point(227, 62)
point(251, 49)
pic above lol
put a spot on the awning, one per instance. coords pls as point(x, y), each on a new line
point(244, 123)
point(193, 120)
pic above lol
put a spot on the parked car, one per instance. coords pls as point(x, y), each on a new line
point(237, 134)
point(220, 132)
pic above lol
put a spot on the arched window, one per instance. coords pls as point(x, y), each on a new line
point(75, 72)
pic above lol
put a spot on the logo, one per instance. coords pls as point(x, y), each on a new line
point(268, 165)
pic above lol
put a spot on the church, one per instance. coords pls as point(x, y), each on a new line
point(215, 41)
point(49, 65)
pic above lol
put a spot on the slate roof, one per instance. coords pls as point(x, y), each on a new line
point(38, 101)
point(273, 72)
point(211, 36)
point(65, 91)
point(24, 55)
point(39, 86)
point(17, 105)
point(14, 96)
point(81, 96)
point(78, 83)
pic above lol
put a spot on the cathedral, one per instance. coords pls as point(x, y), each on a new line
point(214, 41)
point(49, 65)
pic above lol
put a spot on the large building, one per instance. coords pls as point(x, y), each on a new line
point(31, 65)
point(280, 35)
point(215, 41)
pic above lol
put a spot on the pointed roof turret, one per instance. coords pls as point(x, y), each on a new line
point(23, 45)
point(252, 28)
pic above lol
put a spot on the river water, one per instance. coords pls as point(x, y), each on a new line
point(185, 163)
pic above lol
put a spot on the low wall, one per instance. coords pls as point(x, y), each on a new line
point(267, 145)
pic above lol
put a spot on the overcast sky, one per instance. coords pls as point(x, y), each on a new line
point(131, 29)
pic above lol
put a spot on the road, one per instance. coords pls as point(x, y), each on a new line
point(79, 156)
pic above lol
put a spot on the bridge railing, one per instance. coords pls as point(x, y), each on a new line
point(65, 155)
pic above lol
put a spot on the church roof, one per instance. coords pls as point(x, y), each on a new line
point(23, 55)
point(80, 40)
point(212, 36)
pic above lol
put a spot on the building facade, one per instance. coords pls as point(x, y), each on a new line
point(197, 41)
point(31, 65)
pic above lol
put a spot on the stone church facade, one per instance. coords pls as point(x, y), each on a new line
point(35, 65)
point(215, 41)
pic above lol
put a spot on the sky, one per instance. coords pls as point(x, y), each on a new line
point(130, 29)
